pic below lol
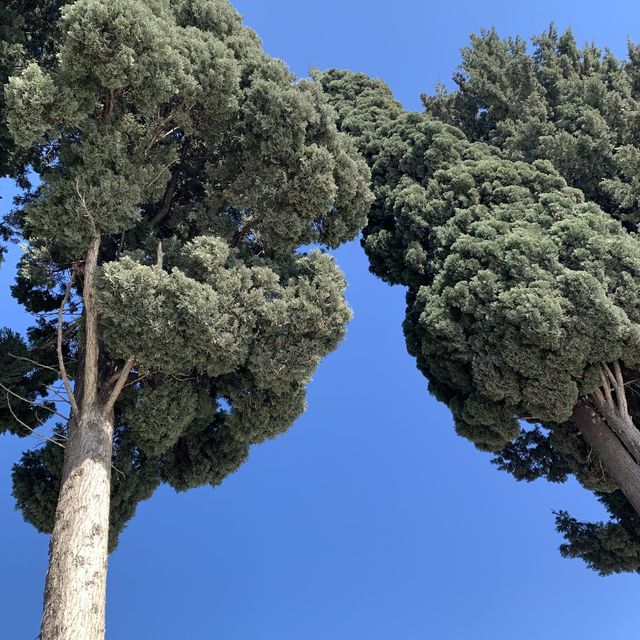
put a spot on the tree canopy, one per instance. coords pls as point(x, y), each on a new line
point(199, 168)
point(509, 211)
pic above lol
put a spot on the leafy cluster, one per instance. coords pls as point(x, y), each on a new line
point(522, 270)
point(203, 165)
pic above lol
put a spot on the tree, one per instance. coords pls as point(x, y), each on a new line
point(509, 210)
point(180, 172)
point(27, 32)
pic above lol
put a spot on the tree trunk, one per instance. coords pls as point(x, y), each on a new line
point(623, 427)
point(75, 591)
point(610, 450)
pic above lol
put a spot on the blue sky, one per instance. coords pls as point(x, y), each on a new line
point(370, 519)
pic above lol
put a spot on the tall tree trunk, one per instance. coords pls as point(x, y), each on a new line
point(615, 458)
point(75, 592)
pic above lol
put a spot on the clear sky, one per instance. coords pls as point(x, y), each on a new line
point(370, 519)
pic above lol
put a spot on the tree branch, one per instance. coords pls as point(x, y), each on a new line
point(34, 362)
point(620, 392)
point(33, 403)
point(119, 385)
point(157, 131)
point(30, 429)
point(63, 369)
point(167, 201)
point(241, 233)
point(92, 349)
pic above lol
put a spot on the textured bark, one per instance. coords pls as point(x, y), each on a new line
point(75, 590)
point(611, 401)
point(626, 431)
point(615, 458)
point(74, 600)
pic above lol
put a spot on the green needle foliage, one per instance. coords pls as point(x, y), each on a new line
point(27, 31)
point(203, 166)
point(510, 211)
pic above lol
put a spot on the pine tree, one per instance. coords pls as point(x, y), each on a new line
point(180, 172)
point(509, 211)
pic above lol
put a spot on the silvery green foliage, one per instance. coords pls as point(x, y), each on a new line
point(205, 165)
point(518, 284)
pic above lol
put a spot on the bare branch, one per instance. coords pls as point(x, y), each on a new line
point(157, 131)
point(599, 398)
point(87, 213)
point(161, 172)
point(137, 379)
point(34, 362)
point(620, 393)
point(159, 257)
point(121, 473)
point(56, 393)
point(30, 429)
point(606, 386)
point(92, 350)
point(33, 403)
point(63, 369)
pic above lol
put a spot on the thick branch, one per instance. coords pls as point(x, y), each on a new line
point(619, 386)
point(63, 369)
point(244, 230)
point(610, 451)
point(167, 201)
point(615, 411)
point(91, 347)
point(119, 385)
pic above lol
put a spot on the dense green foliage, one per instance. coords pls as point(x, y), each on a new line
point(509, 210)
point(27, 32)
point(204, 166)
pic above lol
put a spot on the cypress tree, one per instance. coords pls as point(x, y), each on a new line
point(27, 33)
point(181, 170)
point(509, 211)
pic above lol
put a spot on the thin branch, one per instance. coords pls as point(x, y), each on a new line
point(156, 132)
point(119, 385)
point(34, 362)
point(71, 328)
point(87, 213)
point(63, 369)
point(56, 393)
point(160, 174)
point(30, 429)
point(33, 403)
point(168, 133)
point(122, 473)
point(136, 380)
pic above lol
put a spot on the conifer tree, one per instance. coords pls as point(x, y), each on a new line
point(180, 172)
point(509, 210)
point(27, 32)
